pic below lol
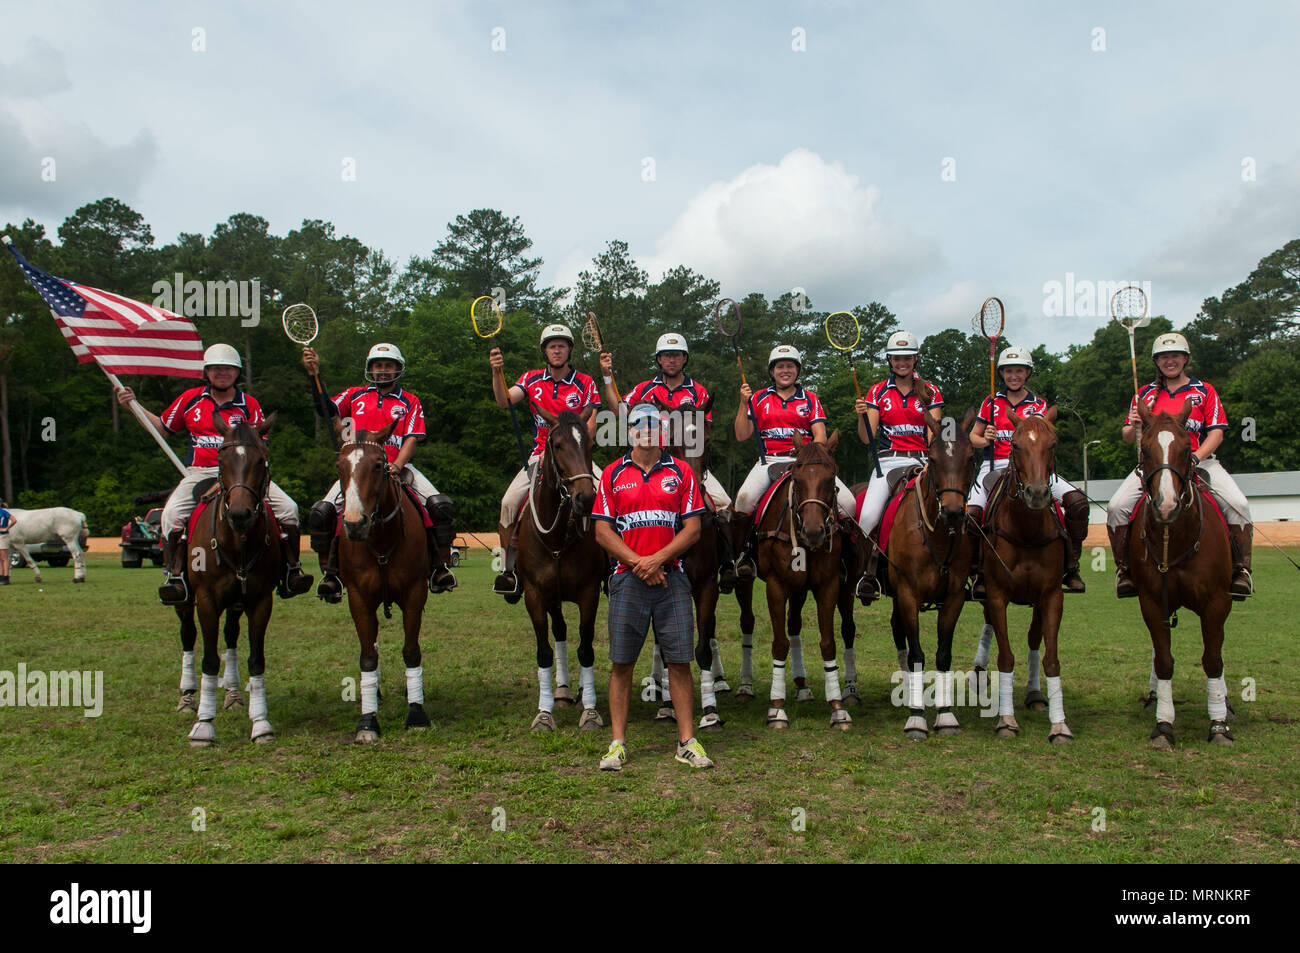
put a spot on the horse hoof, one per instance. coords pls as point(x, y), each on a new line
point(543, 722)
point(367, 729)
point(189, 703)
point(563, 697)
point(851, 696)
point(1219, 733)
point(1061, 738)
point(1005, 733)
point(75, 579)
point(947, 731)
point(590, 720)
point(202, 734)
point(366, 737)
point(416, 718)
point(745, 691)
point(711, 722)
point(841, 719)
point(720, 686)
point(804, 694)
point(1162, 743)
point(1006, 727)
point(666, 714)
point(777, 719)
point(1036, 701)
point(916, 734)
point(1162, 736)
point(262, 733)
point(234, 699)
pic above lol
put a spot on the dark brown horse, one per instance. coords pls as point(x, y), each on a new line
point(799, 550)
point(927, 559)
point(383, 559)
point(1024, 559)
point(560, 561)
point(1181, 558)
point(233, 566)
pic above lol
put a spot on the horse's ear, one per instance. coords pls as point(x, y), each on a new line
point(265, 426)
point(708, 404)
point(1144, 413)
point(1015, 417)
point(381, 436)
point(1183, 414)
point(1050, 413)
point(833, 442)
point(220, 426)
point(931, 424)
point(587, 412)
point(797, 439)
point(546, 415)
point(968, 420)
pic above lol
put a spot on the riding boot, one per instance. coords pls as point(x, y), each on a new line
point(294, 582)
point(1124, 587)
point(507, 581)
point(1075, 505)
point(726, 556)
point(1242, 539)
point(323, 523)
point(974, 520)
point(440, 536)
point(330, 587)
point(174, 591)
point(742, 526)
point(868, 589)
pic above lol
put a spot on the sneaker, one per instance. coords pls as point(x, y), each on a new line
point(692, 753)
point(615, 756)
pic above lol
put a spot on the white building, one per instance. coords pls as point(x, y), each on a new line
point(1274, 497)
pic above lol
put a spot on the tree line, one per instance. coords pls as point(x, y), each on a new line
point(64, 442)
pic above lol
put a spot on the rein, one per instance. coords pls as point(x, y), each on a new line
point(1190, 493)
point(927, 527)
point(221, 506)
point(562, 489)
point(1000, 493)
point(392, 487)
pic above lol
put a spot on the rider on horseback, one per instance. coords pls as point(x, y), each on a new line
point(1206, 426)
point(192, 411)
point(1015, 365)
point(373, 408)
point(557, 387)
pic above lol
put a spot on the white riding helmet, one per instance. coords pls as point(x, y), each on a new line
point(902, 343)
point(556, 331)
point(672, 342)
point(385, 352)
point(1016, 357)
point(784, 352)
point(222, 355)
point(1171, 343)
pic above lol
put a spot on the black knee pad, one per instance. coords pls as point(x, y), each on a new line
point(322, 523)
point(443, 514)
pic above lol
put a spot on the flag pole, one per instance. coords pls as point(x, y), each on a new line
point(144, 422)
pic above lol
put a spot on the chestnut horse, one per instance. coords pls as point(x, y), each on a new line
point(799, 550)
point(927, 559)
point(233, 567)
point(1024, 559)
point(1180, 557)
point(560, 561)
point(383, 559)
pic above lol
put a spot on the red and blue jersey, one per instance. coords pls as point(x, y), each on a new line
point(192, 412)
point(998, 425)
point(647, 508)
point(372, 410)
point(902, 419)
point(689, 393)
point(1207, 410)
point(573, 391)
point(5, 519)
point(778, 419)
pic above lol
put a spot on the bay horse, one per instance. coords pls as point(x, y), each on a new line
point(560, 561)
point(927, 560)
point(1180, 556)
point(799, 551)
point(1024, 559)
point(233, 567)
point(383, 559)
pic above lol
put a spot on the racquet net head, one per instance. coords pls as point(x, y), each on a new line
point(591, 334)
point(992, 318)
point(1128, 306)
point(486, 316)
point(300, 323)
point(727, 317)
point(843, 330)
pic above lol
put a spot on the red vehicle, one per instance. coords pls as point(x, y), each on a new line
point(141, 538)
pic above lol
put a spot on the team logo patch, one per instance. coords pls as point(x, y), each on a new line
point(397, 411)
point(802, 410)
point(670, 484)
point(687, 401)
point(234, 419)
point(572, 400)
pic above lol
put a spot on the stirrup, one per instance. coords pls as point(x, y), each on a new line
point(867, 590)
point(1073, 575)
point(330, 588)
point(438, 579)
point(1125, 587)
point(295, 582)
point(174, 591)
point(746, 568)
point(500, 587)
point(1242, 586)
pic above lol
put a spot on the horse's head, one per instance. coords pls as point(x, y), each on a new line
point(813, 477)
point(567, 460)
point(243, 469)
point(1166, 460)
point(951, 464)
point(1033, 454)
point(365, 477)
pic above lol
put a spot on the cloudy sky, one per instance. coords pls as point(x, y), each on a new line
point(924, 155)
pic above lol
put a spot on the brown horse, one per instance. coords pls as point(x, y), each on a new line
point(1024, 560)
point(560, 561)
point(233, 567)
point(799, 550)
point(927, 559)
point(383, 559)
point(1180, 557)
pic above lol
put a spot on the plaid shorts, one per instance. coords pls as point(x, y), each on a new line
point(633, 605)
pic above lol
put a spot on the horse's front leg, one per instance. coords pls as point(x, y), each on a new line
point(1050, 610)
point(416, 597)
point(907, 629)
point(1213, 616)
point(364, 608)
point(745, 599)
point(945, 722)
point(827, 596)
point(203, 733)
point(996, 608)
point(535, 602)
point(1163, 663)
point(706, 605)
point(258, 619)
point(560, 632)
point(230, 670)
point(189, 674)
point(849, 633)
point(776, 604)
point(794, 633)
point(1035, 700)
point(588, 603)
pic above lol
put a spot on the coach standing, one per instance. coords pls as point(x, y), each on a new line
point(647, 514)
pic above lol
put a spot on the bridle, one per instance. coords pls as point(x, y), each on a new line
point(221, 509)
point(1184, 496)
point(1164, 563)
point(562, 488)
point(394, 490)
point(828, 523)
point(259, 495)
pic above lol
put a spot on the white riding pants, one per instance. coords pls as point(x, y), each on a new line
point(1231, 500)
point(180, 505)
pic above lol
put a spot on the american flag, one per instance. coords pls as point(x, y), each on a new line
point(121, 335)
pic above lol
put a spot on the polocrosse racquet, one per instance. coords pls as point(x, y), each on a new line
point(485, 316)
point(992, 321)
point(1128, 306)
point(844, 332)
point(727, 320)
point(595, 342)
point(301, 326)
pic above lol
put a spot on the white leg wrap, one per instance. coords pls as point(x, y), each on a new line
point(587, 676)
point(1055, 700)
point(982, 653)
point(415, 685)
point(796, 657)
point(832, 681)
point(370, 692)
point(707, 698)
point(189, 676)
point(945, 694)
point(257, 698)
point(208, 698)
point(545, 693)
point(1165, 700)
point(717, 669)
point(1216, 694)
point(562, 664)
point(747, 657)
point(915, 683)
point(230, 671)
point(850, 665)
point(1006, 688)
point(1034, 666)
point(778, 679)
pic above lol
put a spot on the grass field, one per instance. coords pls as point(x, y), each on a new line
point(125, 786)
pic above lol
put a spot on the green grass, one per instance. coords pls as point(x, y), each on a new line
point(125, 786)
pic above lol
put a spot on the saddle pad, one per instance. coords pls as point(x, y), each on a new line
point(887, 521)
point(767, 497)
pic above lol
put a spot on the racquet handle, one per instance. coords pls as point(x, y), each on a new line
point(742, 371)
point(854, 371)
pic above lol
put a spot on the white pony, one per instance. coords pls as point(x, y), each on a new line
point(32, 527)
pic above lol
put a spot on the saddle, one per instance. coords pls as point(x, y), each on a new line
point(900, 481)
point(767, 497)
